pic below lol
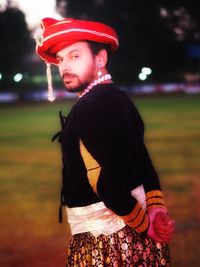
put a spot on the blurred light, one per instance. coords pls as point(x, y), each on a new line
point(146, 70)
point(1, 76)
point(17, 78)
point(163, 12)
point(142, 76)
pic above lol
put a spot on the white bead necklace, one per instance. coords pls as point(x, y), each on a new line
point(95, 82)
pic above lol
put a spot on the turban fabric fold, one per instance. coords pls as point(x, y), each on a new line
point(55, 35)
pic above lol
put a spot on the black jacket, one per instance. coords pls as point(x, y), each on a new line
point(103, 152)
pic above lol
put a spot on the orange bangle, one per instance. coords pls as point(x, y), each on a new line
point(137, 219)
point(155, 199)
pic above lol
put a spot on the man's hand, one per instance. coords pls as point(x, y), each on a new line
point(164, 226)
point(161, 226)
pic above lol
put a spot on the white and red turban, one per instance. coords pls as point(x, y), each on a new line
point(58, 34)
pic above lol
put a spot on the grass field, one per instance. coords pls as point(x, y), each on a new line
point(30, 235)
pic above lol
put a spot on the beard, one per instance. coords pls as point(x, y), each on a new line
point(74, 84)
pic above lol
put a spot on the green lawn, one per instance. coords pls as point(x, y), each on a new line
point(30, 177)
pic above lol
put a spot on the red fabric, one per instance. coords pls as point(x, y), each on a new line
point(161, 226)
point(57, 34)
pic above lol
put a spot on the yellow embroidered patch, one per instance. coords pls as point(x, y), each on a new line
point(92, 166)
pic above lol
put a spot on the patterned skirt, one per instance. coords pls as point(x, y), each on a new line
point(122, 248)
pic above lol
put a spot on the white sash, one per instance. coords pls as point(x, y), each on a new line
point(97, 218)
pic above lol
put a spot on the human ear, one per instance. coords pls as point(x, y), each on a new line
point(102, 58)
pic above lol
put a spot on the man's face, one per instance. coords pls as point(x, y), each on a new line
point(77, 66)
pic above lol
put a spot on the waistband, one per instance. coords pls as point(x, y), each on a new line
point(98, 219)
point(95, 218)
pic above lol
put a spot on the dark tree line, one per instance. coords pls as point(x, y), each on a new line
point(152, 33)
point(15, 42)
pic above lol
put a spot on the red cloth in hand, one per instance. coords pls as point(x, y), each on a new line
point(161, 226)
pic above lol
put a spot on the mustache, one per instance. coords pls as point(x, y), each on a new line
point(68, 75)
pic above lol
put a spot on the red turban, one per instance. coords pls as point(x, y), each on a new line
point(58, 34)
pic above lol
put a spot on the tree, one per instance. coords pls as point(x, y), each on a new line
point(147, 37)
point(15, 41)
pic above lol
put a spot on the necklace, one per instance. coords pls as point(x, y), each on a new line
point(95, 82)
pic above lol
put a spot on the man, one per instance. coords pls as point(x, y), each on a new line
point(115, 205)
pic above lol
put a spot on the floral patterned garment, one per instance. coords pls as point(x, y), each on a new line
point(123, 248)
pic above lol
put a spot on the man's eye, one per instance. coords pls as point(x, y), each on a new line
point(75, 57)
point(59, 60)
